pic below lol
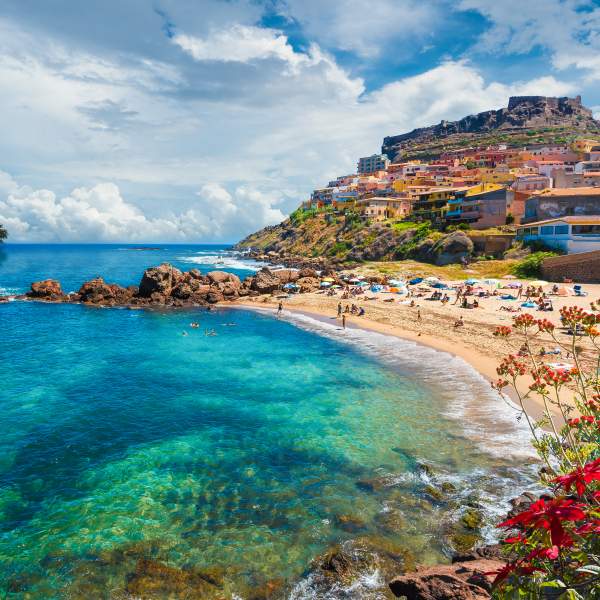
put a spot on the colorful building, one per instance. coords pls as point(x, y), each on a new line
point(571, 234)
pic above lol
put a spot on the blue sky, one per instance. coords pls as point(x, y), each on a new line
point(203, 120)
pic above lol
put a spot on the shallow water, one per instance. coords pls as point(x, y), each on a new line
point(251, 451)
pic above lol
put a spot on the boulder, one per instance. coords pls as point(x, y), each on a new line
point(160, 280)
point(182, 291)
point(224, 277)
point(45, 289)
point(459, 581)
point(264, 282)
point(453, 248)
point(286, 275)
point(214, 296)
point(96, 290)
point(307, 272)
point(308, 284)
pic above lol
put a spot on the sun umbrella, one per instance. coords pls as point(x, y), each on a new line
point(337, 287)
point(539, 283)
point(330, 279)
point(415, 281)
point(363, 284)
point(290, 286)
point(325, 283)
point(396, 282)
point(509, 277)
point(472, 281)
point(354, 280)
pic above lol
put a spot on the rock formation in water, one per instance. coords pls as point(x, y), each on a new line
point(167, 286)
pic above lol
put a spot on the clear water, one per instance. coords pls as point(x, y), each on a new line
point(123, 438)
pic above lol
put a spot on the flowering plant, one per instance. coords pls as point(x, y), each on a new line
point(553, 549)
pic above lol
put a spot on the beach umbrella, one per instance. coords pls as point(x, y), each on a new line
point(509, 277)
point(337, 287)
point(415, 281)
point(290, 286)
point(432, 279)
point(325, 283)
point(363, 284)
point(471, 281)
point(539, 283)
point(330, 279)
point(354, 280)
point(396, 282)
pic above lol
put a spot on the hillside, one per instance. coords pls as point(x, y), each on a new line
point(347, 239)
point(527, 120)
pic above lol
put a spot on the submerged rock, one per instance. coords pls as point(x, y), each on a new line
point(153, 579)
point(460, 581)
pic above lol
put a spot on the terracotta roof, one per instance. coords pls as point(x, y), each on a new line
point(575, 191)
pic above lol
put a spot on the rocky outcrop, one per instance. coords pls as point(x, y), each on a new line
point(459, 581)
point(452, 248)
point(159, 280)
point(167, 286)
point(265, 282)
point(522, 112)
point(48, 289)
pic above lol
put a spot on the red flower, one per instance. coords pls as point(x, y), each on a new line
point(502, 573)
point(580, 477)
point(549, 515)
point(591, 527)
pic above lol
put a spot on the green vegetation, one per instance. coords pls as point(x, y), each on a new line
point(407, 248)
point(403, 226)
point(339, 249)
point(531, 265)
point(300, 215)
point(3, 233)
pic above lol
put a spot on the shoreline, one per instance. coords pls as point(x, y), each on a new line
point(484, 364)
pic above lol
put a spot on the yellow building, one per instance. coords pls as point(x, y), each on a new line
point(381, 208)
point(583, 145)
point(499, 176)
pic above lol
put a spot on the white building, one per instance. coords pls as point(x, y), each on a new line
point(570, 234)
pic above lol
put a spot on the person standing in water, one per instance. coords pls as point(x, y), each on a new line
point(279, 308)
point(344, 321)
point(339, 310)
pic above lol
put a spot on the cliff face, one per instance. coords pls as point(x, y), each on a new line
point(522, 113)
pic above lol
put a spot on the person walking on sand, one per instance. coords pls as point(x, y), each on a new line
point(339, 310)
point(418, 314)
point(344, 321)
point(279, 309)
point(458, 294)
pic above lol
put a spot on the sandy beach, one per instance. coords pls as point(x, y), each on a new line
point(474, 342)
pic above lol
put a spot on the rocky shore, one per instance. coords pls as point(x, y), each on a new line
point(166, 286)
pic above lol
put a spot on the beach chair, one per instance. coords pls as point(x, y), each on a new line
point(579, 290)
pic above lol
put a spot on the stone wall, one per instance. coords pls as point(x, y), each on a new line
point(581, 268)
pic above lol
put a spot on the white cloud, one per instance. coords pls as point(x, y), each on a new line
point(366, 28)
point(567, 28)
point(239, 43)
point(101, 214)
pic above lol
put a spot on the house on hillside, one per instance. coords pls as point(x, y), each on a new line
point(555, 203)
point(381, 208)
point(572, 234)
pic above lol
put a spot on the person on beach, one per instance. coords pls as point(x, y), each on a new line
point(279, 309)
point(458, 295)
point(361, 311)
point(344, 321)
point(339, 310)
point(419, 315)
point(459, 323)
point(347, 309)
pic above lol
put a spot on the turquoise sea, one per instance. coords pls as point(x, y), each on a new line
point(240, 456)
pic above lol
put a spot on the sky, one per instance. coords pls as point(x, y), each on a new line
point(203, 120)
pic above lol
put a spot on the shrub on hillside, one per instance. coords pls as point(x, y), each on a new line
point(531, 265)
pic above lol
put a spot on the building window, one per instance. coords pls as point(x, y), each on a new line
point(586, 229)
point(547, 230)
point(561, 230)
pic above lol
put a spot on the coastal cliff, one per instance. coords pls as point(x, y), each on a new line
point(526, 119)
